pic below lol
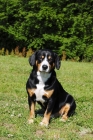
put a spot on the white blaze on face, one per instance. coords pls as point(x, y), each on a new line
point(44, 62)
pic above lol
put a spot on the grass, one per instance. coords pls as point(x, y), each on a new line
point(76, 78)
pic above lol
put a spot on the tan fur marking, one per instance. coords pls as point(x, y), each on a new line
point(46, 119)
point(64, 111)
point(31, 91)
point(36, 63)
point(49, 93)
point(38, 66)
point(42, 56)
point(32, 113)
point(49, 57)
point(32, 110)
point(52, 66)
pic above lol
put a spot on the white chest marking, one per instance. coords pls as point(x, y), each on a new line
point(39, 92)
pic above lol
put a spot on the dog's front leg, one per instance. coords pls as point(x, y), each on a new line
point(32, 113)
point(31, 102)
point(32, 110)
point(47, 113)
point(46, 119)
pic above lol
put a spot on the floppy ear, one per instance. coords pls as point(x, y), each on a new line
point(57, 62)
point(32, 59)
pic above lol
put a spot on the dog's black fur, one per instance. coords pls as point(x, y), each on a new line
point(55, 100)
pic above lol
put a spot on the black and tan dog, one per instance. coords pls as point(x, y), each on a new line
point(44, 88)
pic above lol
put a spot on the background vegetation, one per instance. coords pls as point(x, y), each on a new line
point(65, 26)
point(76, 78)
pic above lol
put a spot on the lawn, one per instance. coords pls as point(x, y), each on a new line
point(76, 78)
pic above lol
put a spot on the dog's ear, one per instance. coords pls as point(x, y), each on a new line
point(32, 59)
point(57, 61)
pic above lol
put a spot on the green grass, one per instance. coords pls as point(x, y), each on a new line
point(76, 78)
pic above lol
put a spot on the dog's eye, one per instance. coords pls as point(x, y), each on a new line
point(41, 57)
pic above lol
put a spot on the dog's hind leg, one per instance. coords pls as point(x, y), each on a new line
point(64, 112)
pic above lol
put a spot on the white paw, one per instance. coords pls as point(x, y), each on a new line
point(62, 120)
point(30, 121)
point(43, 124)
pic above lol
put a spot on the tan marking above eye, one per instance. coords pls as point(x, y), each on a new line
point(49, 57)
point(42, 56)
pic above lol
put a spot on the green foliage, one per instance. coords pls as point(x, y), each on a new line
point(58, 25)
point(89, 53)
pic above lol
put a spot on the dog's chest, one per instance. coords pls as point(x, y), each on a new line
point(39, 92)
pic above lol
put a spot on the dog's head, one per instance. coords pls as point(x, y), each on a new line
point(45, 60)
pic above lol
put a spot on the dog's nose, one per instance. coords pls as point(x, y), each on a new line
point(44, 67)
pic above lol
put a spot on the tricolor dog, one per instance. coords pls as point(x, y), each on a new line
point(44, 88)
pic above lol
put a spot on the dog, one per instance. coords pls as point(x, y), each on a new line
point(44, 88)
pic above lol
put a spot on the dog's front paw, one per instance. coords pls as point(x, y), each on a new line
point(44, 123)
point(64, 118)
point(30, 121)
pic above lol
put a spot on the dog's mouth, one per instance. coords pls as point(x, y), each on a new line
point(44, 71)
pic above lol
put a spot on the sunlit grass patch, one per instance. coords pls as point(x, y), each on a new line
point(76, 78)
